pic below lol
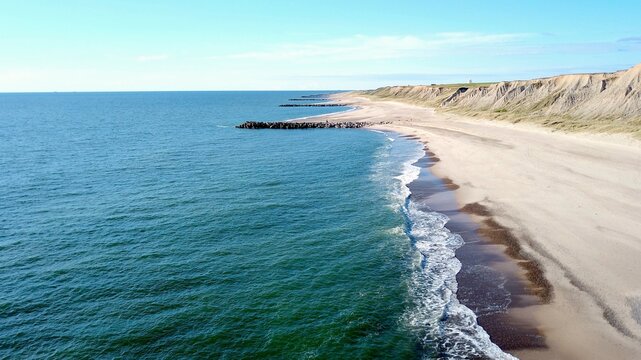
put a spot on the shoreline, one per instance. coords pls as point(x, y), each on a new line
point(439, 234)
point(490, 283)
point(580, 320)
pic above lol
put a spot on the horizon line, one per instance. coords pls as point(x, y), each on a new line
point(159, 91)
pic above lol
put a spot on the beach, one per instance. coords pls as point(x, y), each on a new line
point(572, 202)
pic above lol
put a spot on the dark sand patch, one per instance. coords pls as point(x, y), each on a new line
point(499, 234)
point(450, 184)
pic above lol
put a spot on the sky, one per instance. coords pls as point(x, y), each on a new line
point(144, 45)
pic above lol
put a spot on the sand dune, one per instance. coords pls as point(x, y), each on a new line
point(605, 102)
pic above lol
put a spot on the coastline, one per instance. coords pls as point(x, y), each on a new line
point(489, 282)
point(584, 318)
point(447, 325)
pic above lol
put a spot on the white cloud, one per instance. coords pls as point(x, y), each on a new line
point(360, 47)
point(147, 58)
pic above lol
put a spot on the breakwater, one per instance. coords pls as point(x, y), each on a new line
point(314, 105)
point(316, 96)
point(301, 125)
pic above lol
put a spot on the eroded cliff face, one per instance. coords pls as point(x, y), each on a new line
point(604, 102)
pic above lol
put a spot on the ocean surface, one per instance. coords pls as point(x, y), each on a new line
point(144, 225)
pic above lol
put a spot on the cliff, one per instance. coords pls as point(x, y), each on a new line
point(608, 102)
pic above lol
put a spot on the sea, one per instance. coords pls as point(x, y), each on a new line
point(144, 225)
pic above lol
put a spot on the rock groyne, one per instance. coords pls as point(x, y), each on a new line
point(301, 125)
point(314, 105)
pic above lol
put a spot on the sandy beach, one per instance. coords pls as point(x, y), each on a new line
point(573, 201)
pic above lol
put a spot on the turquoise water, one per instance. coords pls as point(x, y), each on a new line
point(144, 225)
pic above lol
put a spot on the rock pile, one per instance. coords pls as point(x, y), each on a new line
point(301, 125)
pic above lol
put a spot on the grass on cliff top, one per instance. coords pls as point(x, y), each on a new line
point(474, 84)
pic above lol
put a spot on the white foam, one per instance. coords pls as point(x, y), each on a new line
point(389, 138)
point(409, 173)
point(437, 317)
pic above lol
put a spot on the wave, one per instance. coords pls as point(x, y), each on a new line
point(389, 138)
point(442, 324)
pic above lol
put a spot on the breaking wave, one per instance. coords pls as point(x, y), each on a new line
point(445, 327)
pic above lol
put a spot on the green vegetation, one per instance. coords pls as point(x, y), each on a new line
point(468, 85)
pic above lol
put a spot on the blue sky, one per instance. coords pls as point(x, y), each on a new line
point(111, 45)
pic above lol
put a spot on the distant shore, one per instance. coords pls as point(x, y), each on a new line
point(565, 207)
